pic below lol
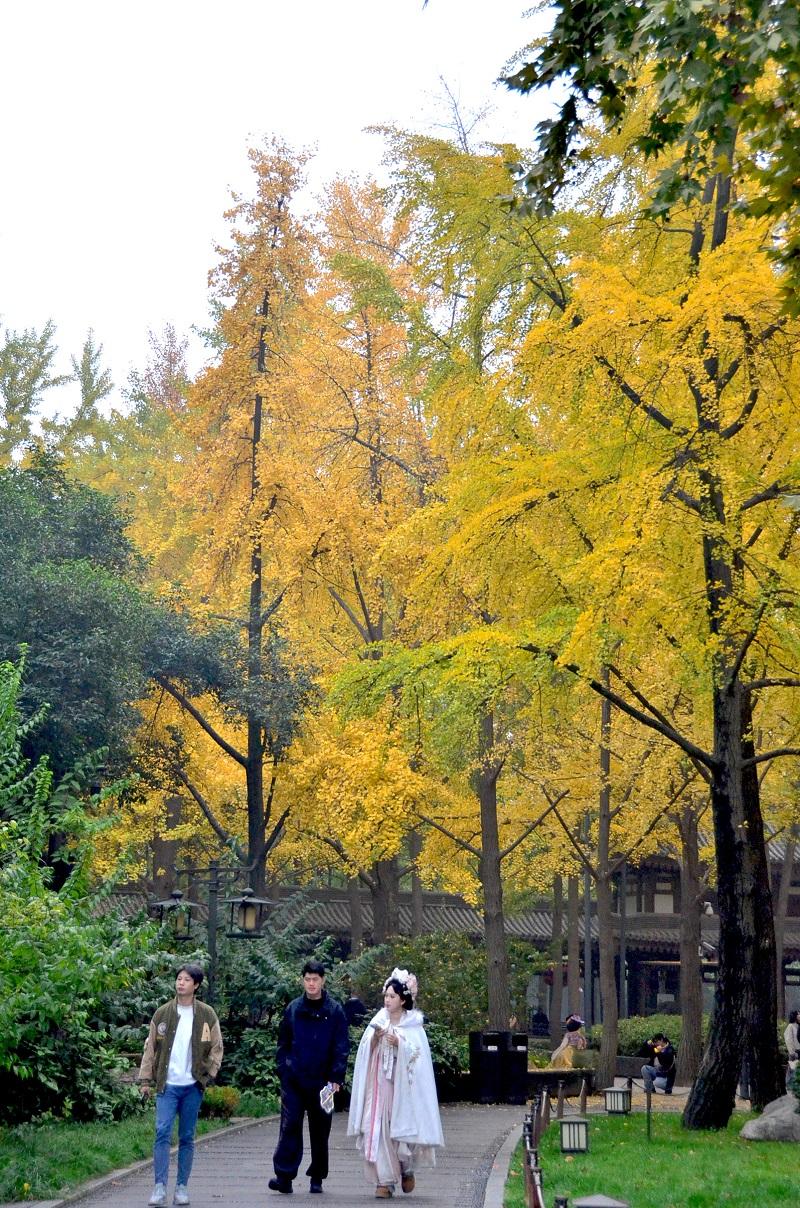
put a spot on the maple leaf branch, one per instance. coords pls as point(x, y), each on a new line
point(532, 826)
point(449, 834)
point(646, 719)
point(225, 838)
point(202, 722)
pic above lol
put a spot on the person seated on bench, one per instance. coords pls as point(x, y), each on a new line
point(659, 1071)
point(574, 1041)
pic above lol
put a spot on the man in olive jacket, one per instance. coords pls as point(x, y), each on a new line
point(182, 1053)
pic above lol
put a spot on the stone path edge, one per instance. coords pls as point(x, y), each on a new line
point(498, 1175)
point(126, 1172)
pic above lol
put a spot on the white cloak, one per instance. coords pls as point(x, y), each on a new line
point(415, 1108)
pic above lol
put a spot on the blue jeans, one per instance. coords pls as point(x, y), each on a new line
point(183, 1102)
point(655, 1079)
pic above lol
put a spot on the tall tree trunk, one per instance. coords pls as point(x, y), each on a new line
point(254, 770)
point(417, 901)
point(608, 980)
point(491, 882)
point(356, 916)
point(691, 1046)
point(744, 1003)
point(781, 907)
point(556, 962)
point(385, 891)
point(165, 850)
point(573, 945)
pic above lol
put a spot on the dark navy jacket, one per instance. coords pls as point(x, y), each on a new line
point(313, 1042)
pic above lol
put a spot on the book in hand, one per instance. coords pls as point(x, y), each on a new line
point(326, 1098)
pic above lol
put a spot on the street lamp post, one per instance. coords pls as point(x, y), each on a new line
point(247, 912)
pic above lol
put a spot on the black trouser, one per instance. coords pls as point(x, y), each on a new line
point(296, 1101)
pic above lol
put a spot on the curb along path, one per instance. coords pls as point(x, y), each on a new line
point(231, 1168)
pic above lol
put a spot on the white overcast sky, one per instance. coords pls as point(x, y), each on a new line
point(125, 126)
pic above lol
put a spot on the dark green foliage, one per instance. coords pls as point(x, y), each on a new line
point(450, 1056)
point(68, 592)
point(637, 1030)
point(724, 75)
point(451, 971)
point(66, 961)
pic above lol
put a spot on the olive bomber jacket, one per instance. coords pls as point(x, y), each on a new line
point(206, 1045)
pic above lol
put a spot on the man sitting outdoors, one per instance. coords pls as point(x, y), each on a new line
point(659, 1071)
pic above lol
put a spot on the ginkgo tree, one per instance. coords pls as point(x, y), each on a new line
point(641, 492)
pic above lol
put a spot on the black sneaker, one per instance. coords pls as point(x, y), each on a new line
point(315, 1187)
point(282, 1185)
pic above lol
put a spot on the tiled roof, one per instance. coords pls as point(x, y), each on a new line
point(329, 911)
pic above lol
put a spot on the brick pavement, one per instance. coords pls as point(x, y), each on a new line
point(232, 1169)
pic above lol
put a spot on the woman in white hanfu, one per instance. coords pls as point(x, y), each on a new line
point(394, 1113)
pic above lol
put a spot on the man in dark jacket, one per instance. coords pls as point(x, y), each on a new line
point(313, 1044)
point(659, 1071)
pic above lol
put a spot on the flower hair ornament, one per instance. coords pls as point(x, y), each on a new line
point(407, 980)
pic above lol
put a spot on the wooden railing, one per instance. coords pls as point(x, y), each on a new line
point(534, 1125)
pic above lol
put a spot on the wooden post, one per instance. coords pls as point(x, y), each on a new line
point(560, 1108)
point(582, 1100)
point(649, 1099)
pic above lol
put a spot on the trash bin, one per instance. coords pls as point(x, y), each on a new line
point(515, 1069)
point(487, 1059)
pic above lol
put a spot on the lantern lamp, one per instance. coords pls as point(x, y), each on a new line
point(618, 1100)
point(247, 915)
point(177, 910)
point(574, 1134)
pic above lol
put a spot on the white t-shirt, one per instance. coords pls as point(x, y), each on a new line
point(179, 1071)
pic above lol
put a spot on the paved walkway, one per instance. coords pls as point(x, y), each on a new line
point(232, 1169)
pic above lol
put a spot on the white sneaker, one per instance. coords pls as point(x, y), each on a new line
point(181, 1194)
point(159, 1195)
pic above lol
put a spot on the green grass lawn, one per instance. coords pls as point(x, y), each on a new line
point(44, 1161)
point(677, 1169)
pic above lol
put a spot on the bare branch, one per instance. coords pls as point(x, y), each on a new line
point(219, 830)
point(757, 685)
point(776, 754)
point(449, 835)
point(204, 724)
point(351, 616)
point(521, 838)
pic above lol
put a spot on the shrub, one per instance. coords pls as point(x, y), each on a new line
point(450, 1058)
point(635, 1031)
point(221, 1102)
point(451, 970)
point(250, 1063)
